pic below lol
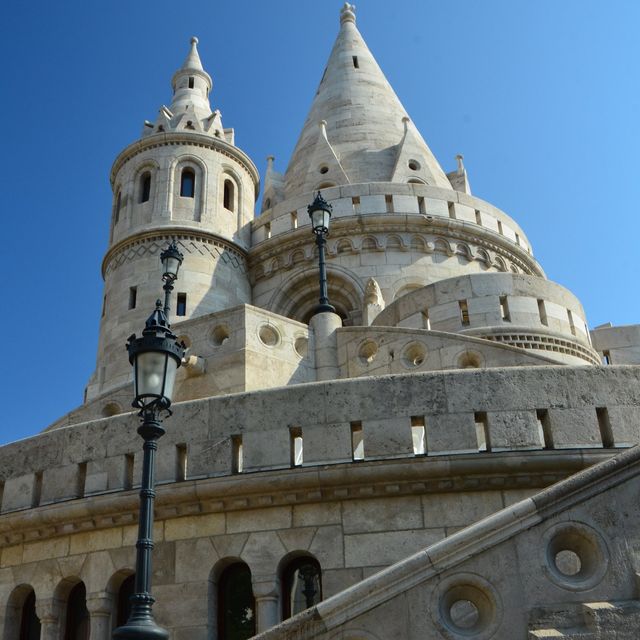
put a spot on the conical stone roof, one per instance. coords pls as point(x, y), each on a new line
point(357, 129)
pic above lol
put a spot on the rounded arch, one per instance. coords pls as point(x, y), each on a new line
point(300, 577)
point(145, 180)
point(111, 409)
point(394, 242)
point(469, 359)
point(121, 587)
point(298, 299)
point(183, 205)
point(403, 287)
point(232, 616)
point(21, 620)
point(74, 619)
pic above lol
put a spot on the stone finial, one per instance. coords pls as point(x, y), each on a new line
point(348, 13)
point(405, 122)
point(460, 158)
point(193, 59)
point(194, 40)
point(372, 293)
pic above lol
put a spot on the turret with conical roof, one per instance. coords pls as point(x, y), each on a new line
point(185, 180)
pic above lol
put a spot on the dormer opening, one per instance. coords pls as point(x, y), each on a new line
point(356, 64)
point(191, 82)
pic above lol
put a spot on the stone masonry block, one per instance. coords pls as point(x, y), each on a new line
point(625, 425)
point(514, 430)
point(451, 433)
point(18, 492)
point(573, 428)
point(266, 449)
point(61, 483)
point(387, 436)
point(327, 443)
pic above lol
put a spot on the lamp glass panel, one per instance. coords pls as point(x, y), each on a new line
point(150, 372)
point(171, 266)
point(319, 218)
point(172, 367)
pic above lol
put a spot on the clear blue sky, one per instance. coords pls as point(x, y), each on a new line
point(542, 98)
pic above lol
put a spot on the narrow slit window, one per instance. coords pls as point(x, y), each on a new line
point(604, 425)
point(426, 321)
point(517, 239)
point(187, 183)
point(296, 443)
point(544, 426)
point(129, 461)
point(482, 431)
point(267, 230)
point(504, 309)
point(356, 64)
point(181, 462)
point(229, 195)
point(587, 333)
point(133, 297)
point(355, 201)
point(37, 489)
point(606, 357)
point(294, 219)
point(357, 441)
point(452, 211)
point(572, 326)
point(388, 202)
point(145, 187)
point(478, 218)
point(118, 206)
point(464, 312)
point(421, 206)
point(191, 82)
point(418, 435)
point(542, 312)
point(500, 227)
point(237, 454)
point(104, 305)
point(181, 306)
point(81, 479)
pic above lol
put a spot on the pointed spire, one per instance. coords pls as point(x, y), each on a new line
point(193, 59)
point(365, 130)
point(191, 86)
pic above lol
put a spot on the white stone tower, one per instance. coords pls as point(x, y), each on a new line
point(183, 179)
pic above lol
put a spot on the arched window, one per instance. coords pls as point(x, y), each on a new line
point(188, 183)
point(301, 586)
point(229, 195)
point(236, 604)
point(125, 592)
point(29, 621)
point(145, 186)
point(77, 618)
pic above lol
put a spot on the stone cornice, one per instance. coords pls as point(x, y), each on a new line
point(187, 139)
point(168, 233)
point(412, 223)
point(394, 477)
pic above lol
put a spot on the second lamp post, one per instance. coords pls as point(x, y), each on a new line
point(320, 213)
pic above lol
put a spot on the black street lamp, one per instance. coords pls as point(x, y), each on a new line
point(320, 213)
point(155, 357)
point(171, 259)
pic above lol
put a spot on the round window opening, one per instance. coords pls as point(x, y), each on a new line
point(468, 610)
point(576, 556)
point(324, 169)
point(219, 335)
point(414, 165)
point(367, 352)
point(268, 335)
point(301, 346)
point(414, 355)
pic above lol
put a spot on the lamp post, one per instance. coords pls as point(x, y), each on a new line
point(320, 213)
point(155, 357)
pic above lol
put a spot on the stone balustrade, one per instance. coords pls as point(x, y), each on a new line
point(403, 199)
point(327, 423)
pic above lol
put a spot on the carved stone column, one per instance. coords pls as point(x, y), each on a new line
point(100, 606)
point(267, 611)
point(49, 612)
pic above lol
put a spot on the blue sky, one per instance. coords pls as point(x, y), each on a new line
point(541, 98)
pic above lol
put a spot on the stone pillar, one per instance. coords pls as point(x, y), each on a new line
point(48, 610)
point(267, 610)
point(324, 327)
point(99, 606)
